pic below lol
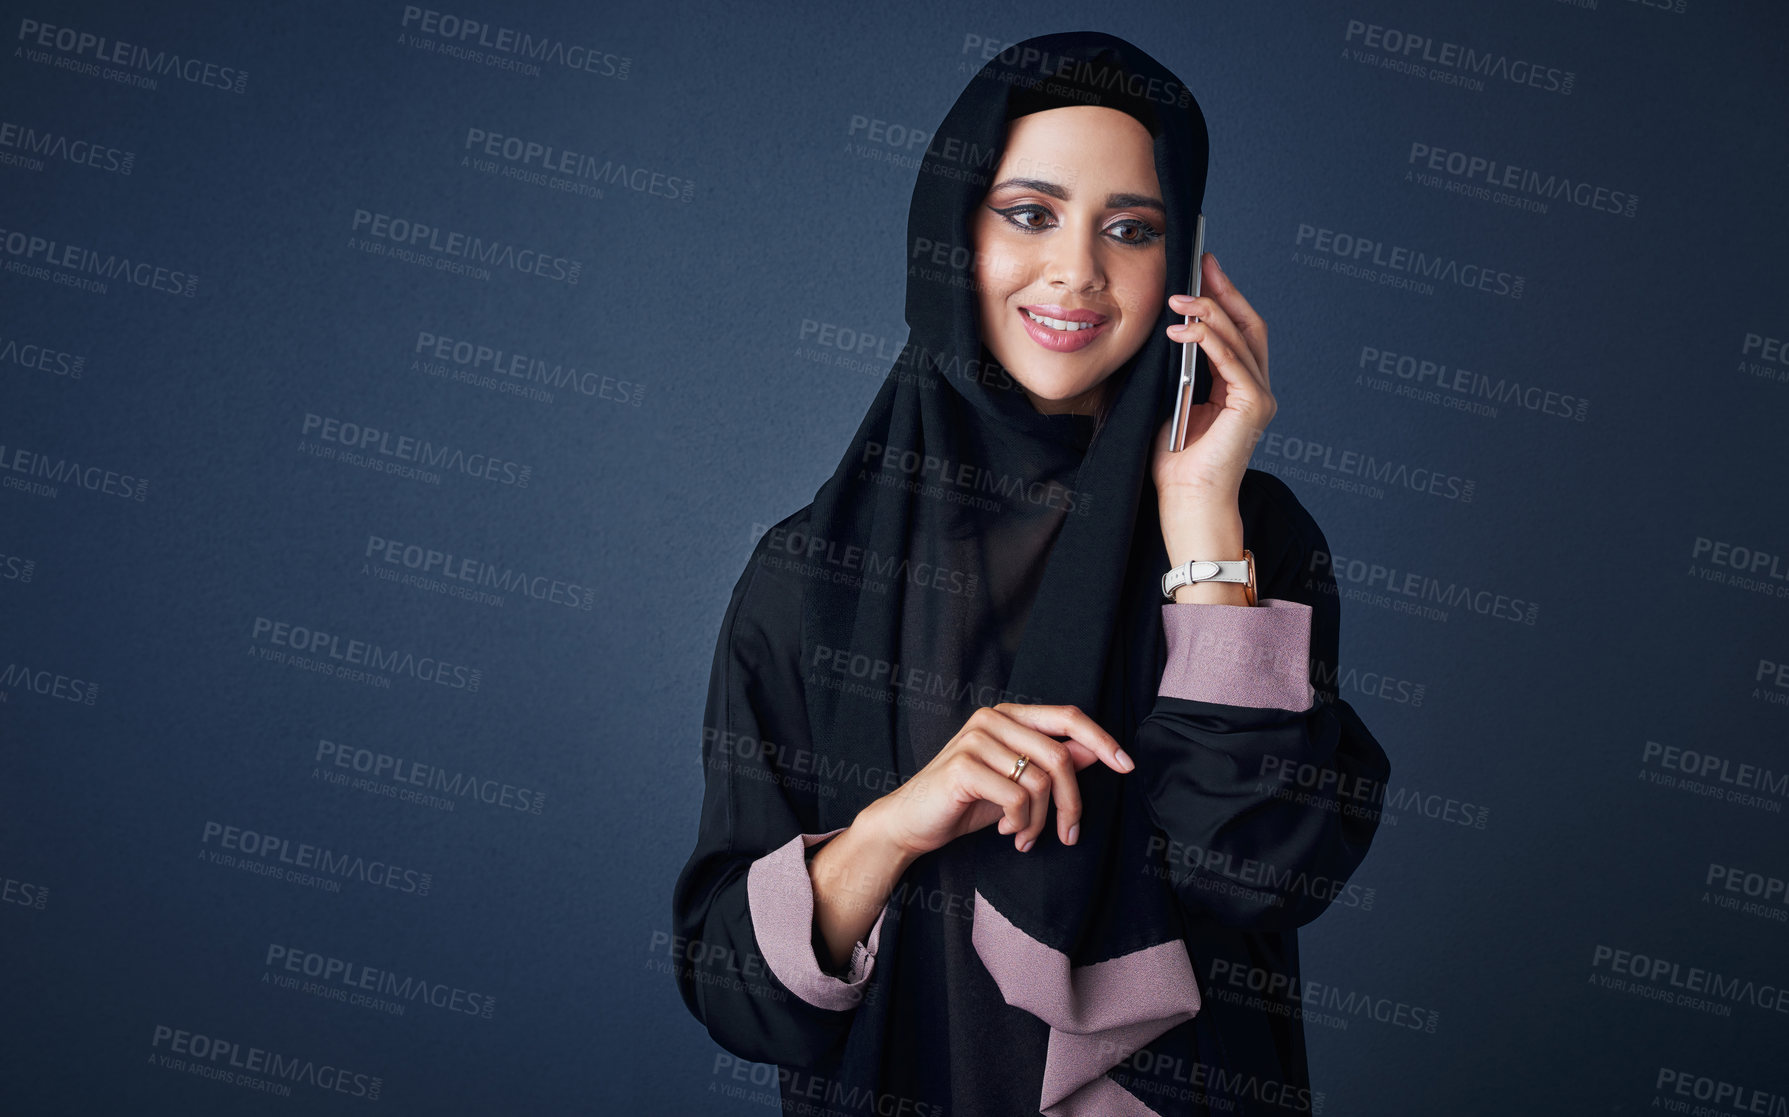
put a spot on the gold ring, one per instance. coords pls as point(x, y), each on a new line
point(1019, 766)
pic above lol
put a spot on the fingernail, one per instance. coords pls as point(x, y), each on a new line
point(1073, 833)
point(1026, 848)
point(1124, 758)
point(1214, 262)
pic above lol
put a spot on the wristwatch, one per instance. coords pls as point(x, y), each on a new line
point(1213, 570)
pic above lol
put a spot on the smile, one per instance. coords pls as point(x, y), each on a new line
point(1063, 335)
point(1059, 323)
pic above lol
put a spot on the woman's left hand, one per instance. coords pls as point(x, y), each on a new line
point(1206, 476)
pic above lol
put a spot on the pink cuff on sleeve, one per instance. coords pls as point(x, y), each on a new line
point(781, 897)
point(1240, 655)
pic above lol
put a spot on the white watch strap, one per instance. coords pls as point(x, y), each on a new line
point(1205, 570)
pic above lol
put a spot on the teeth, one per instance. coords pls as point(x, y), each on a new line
point(1057, 323)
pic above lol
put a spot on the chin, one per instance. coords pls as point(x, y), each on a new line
point(1055, 390)
point(1055, 380)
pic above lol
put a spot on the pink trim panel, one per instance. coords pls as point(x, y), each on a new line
point(1240, 655)
point(780, 893)
point(1098, 1014)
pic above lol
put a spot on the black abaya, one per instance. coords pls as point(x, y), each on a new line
point(1074, 981)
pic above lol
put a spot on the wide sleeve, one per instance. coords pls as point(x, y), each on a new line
point(1265, 791)
point(747, 956)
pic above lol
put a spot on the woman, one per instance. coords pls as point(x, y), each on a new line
point(991, 826)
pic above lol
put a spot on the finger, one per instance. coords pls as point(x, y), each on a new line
point(1245, 329)
point(968, 760)
point(1252, 325)
point(1211, 313)
point(1215, 326)
point(1056, 780)
point(1038, 787)
point(1002, 758)
point(1237, 375)
point(983, 782)
point(1071, 722)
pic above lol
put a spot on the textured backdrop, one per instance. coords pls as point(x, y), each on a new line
point(391, 395)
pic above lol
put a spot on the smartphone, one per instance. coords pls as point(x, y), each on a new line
point(1195, 370)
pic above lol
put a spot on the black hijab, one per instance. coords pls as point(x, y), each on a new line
point(1052, 520)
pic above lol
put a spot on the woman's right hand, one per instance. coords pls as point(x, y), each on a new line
point(969, 783)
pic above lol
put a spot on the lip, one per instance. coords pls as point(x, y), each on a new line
point(1051, 310)
point(1059, 341)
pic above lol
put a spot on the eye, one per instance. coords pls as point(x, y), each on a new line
point(1022, 211)
point(1144, 232)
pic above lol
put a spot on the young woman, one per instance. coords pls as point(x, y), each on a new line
point(992, 825)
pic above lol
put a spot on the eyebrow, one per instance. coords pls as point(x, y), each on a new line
point(1113, 201)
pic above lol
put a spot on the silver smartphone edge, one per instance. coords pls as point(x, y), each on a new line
point(1189, 353)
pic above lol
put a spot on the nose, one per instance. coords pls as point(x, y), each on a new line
point(1074, 262)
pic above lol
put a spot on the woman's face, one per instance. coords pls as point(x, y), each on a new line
point(1071, 231)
